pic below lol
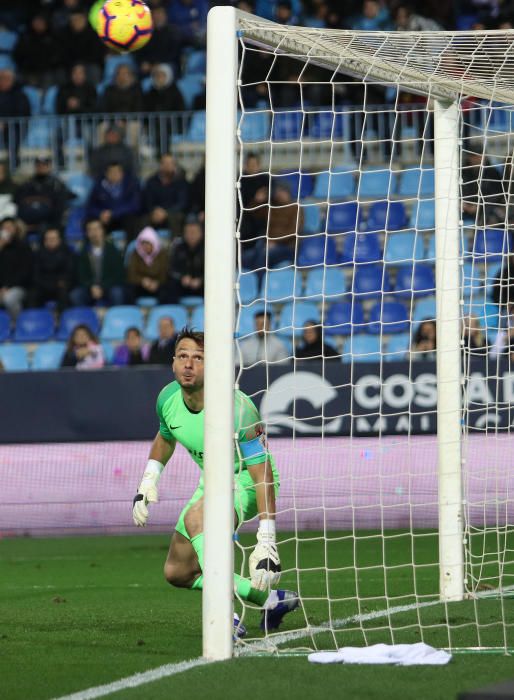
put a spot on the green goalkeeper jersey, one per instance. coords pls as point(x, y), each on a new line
point(180, 424)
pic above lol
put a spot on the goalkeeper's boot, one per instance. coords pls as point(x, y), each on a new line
point(279, 603)
point(239, 628)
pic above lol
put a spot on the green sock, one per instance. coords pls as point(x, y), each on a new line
point(242, 585)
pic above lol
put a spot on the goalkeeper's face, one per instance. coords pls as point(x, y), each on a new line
point(188, 364)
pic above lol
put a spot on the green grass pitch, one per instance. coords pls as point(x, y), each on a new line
point(80, 612)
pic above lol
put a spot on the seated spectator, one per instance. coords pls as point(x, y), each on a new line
point(162, 349)
point(54, 268)
point(473, 339)
point(43, 199)
point(424, 344)
point(7, 190)
point(284, 13)
point(284, 220)
point(79, 44)
point(189, 18)
point(197, 195)
point(483, 197)
point(115, 199)
point(15, 267)
point(61, 15)
point(254, 195)
point(165, 45)
point(112, 150)
point(166, 195)
point(124, 95)
point(313, 345)
point(504, 341)
point(38, 53)
point(77, 96)
point(133, 351)
point(147, 266)
point(262, 346)
point(83, 350)
point(186, 269)
point(374, 17)
point(13, 103)
point(503, 286)
point(164, 95)
point(406, 20)
point(101, 274)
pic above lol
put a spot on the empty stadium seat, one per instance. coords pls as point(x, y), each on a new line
point(375, 184)
point(398, 347)
point(287, 126)
point(424, 309)
point(402, 247)
point(248, 287)
point(78, 315)
point(118, 319)
point(311, 218)
point(198, 318)
point(491, 244)
point(173, 311)
point(40, 133)
point(74, 230)
point(423, 215)
point(255, 126)
point(5, 326)
point(300, 185)
point(473, 283)
point(281, 284)
point(325, 124)
point(48, 356)
point(333, 186)
point(317, 250)
point(80, 184)
point(245, 319)
point(34, 326)
point(416, 182)
point(325, 282)
point(342, 217)
point(108, 350)
point(196, 131)
point(14, 358)
point(362, 348)
point(293, 316)
point(386, 216)
point(388, 317)
point(196, 62)
point(191, 86)
point(33, 95)
point(417, 279)
point(8, 40)
point(371, 281)
point(361, 248)
point(49, 104)
point(343, 318)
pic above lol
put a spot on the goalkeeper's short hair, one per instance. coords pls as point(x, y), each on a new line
point(187, 332)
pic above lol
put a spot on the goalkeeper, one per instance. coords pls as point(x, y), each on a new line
point(180, 412)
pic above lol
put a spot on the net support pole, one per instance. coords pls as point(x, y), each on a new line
point(220, 201)
point(447, 215)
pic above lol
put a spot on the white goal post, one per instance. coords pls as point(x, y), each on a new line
point(443, 68)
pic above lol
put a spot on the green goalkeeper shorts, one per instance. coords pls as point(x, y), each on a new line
point(245, 501)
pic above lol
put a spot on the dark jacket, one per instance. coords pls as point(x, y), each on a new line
point(163, 48)
point(37, 53)
point(115, 99)
point(316, 349)
point(186, 260)
point(54, 268)
point(82, 47)
point(167, 100)
point(16, 264)
point(112, 270)
point(173, 196)
point(503, 286)
point(161, 352)
point(43, 199)
point(121, 201)
point(85, 94)
point(14, 103)
point(108, 153)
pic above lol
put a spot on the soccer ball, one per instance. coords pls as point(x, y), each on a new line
point(125, 25)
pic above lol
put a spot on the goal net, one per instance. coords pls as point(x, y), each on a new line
point(373, 323)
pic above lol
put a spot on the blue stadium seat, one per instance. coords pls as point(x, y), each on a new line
point(473, 283)
point(361, 248)
point(78, 315)
point(245, 320)
point(80, 184)
point(196, 131)
point(342, 217)
point(113, 62)
point(311, 218)
point(317, 250)
point(417, 279)
point(14, 358)
point(108, 349)
point(281, 284)
point(49, 104)
point(487, 315)
point(362, 348)
point(430, 252)
point(343, 318)
point(190, 302)
point(34, 326)
point(375, 184)
point(33, 95)
point(248, 287)
point(424, 309)
point(118, 319)
point(388, 317)
point(5, 326)
point(326, 124)
point(196, 62)
point(371, 281)
point(255, 126)
point(173, 311)
point(333, 186)
point(293, 316)
point(40, 133)
point(146, 302)
point(8, 40)
point(423, 215)
point(48, 356)
point(403, 247)
point(287, 126)
point(491, 244)
point(416, 182)
point(74, 230)
point(398, 347)
point(386, 216)
point(300, 185)
point(325, 282)
point(191, 86)
point(198, 318)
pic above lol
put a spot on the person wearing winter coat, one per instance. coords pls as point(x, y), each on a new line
point(15, 267)
point(115, 199)
point(186, 270)
point(147, 266)
point(54, 267)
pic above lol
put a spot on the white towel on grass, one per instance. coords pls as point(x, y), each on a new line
point(397, 654)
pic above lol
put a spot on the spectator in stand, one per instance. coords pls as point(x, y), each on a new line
point(197, 195)
point(473, 339)
point(503, 286)
point(482, 189)
point(83, 350)
point(38, 54)
point(133, 351)
point(373, 18)
point(164, 47)
point(101, 274)
point(186, 270)
point(7, 190)
point(80, 44)
point(262, 346)
point(284, 222)
point(254, 194)
point(78, 95)
point(189, 18)
point(43, 199)
point(124, 95)
point(61, 15)
point(425, 341)
point(164, 95)
point(406, 20)
point(284, 13)
point(166, 195)
point(115, 199)
point(54, 269)
point(15, 267)
point(13, 103)
point(504, 341)
point(147, 266)
point(313, 345)
point(162, 349)
point(113, 150)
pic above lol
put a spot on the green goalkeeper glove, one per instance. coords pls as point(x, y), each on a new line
point(147, 492)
